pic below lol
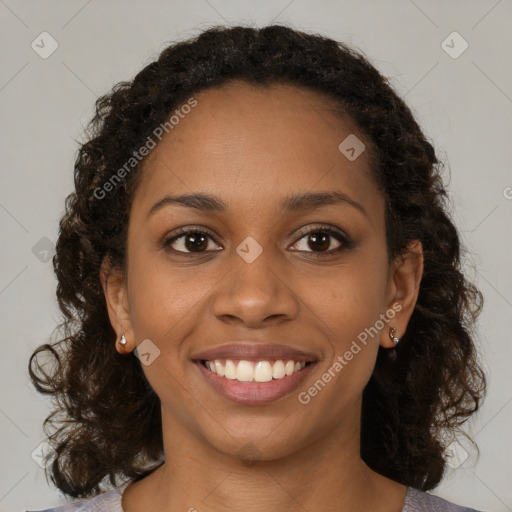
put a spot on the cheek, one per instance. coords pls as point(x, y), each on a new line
point(167, 304)
point(350, 310)
point(164, 306)
point(162, 298)
point(351, 299)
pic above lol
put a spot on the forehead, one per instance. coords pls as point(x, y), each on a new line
point(252, 145)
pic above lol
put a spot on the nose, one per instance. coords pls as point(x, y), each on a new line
point(257, 293)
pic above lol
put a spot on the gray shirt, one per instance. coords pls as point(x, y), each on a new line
point(415, 501)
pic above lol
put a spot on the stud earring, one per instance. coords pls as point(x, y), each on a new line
point(392, 335)
point(122, 341)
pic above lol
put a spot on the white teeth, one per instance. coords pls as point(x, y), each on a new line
point(290, 367)
point(219, 369)
point(263, 372)
point(245, 371)
point(230, 370)
point(250, 371)
point(278, 371)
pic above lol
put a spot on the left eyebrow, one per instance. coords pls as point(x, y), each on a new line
point(293, 203)
point(315, 200)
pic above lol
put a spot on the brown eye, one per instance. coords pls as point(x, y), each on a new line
point(318, 240)
point(190, 241)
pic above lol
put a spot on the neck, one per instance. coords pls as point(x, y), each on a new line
point(328, 474)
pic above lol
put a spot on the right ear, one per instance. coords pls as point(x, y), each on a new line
point(112, 282)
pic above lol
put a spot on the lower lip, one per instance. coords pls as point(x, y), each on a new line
point(254, 393)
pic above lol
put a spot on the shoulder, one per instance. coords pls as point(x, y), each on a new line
point(419, 501)
point(106, 502)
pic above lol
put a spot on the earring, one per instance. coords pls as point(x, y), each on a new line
point(122, 341)
point(392, 335)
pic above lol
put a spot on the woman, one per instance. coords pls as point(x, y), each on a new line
point(263, 301)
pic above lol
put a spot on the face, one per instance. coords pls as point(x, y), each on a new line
point(262, 263)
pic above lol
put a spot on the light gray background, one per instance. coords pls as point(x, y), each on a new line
point(464, 105)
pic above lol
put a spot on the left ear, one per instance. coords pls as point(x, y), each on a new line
point(404, 288)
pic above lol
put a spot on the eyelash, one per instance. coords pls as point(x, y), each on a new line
point(344, 240)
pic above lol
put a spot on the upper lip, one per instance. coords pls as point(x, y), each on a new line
point(255, 352)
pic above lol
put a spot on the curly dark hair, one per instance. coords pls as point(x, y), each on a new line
point(107, 419)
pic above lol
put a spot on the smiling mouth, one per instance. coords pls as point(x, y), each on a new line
point(254, 371)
